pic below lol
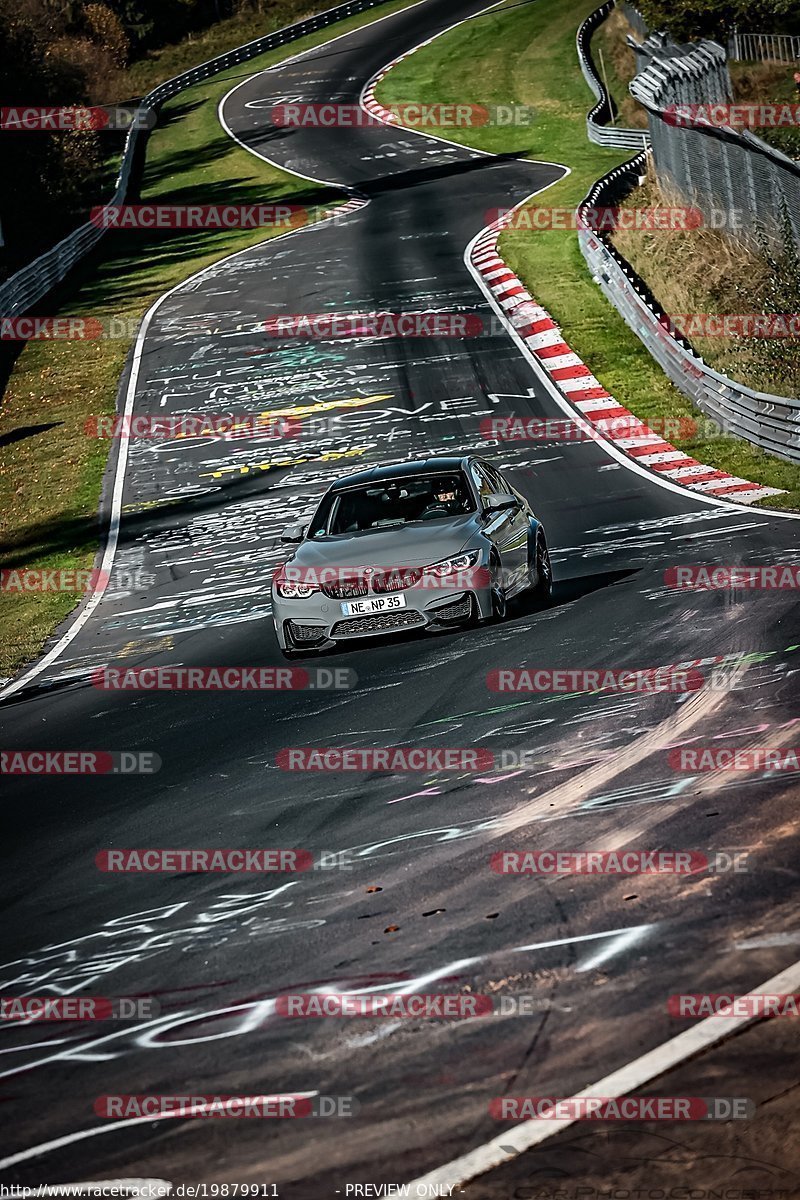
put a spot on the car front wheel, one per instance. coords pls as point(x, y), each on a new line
point(543, 585)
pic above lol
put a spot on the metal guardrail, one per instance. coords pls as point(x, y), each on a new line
point(764, 47)
point(714, 167)
point(35, 280)
point(598, 129)
point(771, 422)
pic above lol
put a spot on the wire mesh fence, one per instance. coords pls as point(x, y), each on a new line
point(734, 177)
point(737, 181)
point(769, 421)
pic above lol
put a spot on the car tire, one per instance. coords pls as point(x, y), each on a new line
point(542, 586)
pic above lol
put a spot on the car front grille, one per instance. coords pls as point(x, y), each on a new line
point(395, 581)
point(305, 633)
point(346, 589)
point(379, 623)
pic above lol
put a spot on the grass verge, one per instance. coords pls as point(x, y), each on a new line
point(525, 54)
point(50, 471)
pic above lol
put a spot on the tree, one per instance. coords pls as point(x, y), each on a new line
point(688, 20)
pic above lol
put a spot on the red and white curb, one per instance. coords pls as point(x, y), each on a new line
point(368, 101)
point(577, 383)
point(387, 117)
point(344, 210)
point(569, 373)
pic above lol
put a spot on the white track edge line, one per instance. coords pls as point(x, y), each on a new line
point(637, 1073)
point(82, 616)
point(379, 75)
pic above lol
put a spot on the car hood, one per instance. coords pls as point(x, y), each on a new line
point(412, 546)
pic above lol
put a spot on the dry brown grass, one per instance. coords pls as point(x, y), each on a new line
point(703, 271)
point(620, 63)
point(768, 83)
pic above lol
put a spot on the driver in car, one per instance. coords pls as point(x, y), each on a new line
point(445, 500)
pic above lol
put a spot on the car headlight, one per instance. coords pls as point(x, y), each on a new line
point(452, 566)
point(292, 589)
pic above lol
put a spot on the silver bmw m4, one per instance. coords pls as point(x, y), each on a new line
point(432, 544)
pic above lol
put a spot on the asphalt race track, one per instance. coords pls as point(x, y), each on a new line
point(415, 906)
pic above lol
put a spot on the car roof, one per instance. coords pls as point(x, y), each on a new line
point(419, 466)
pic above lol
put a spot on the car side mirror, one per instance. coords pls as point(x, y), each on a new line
point(499, 502)
point(293, 534)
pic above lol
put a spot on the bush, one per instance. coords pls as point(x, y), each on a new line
point(687, 20)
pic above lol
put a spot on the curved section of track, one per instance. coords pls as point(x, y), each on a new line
point(420, 908)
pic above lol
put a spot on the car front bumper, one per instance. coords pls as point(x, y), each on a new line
point(318, 621)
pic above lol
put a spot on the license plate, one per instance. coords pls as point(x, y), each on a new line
point(361, 608)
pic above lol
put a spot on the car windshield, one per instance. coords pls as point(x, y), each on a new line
point(397, 502)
